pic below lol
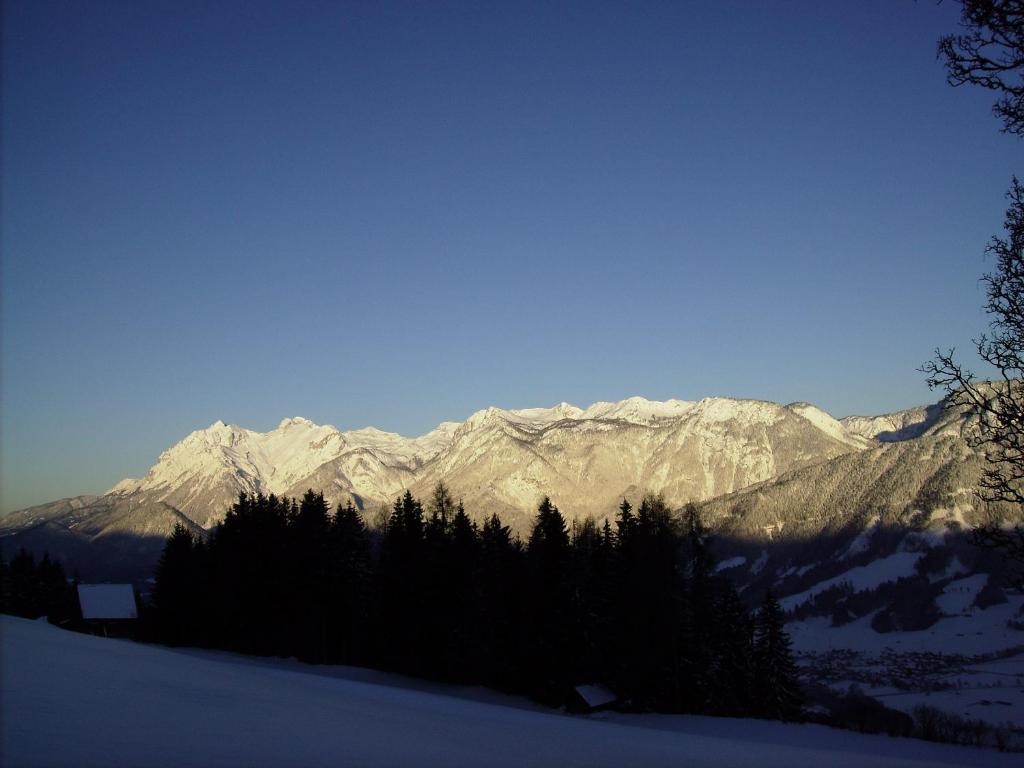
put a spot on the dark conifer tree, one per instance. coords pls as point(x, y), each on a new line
point(401, 599)
point(635, 605)
point(350, 572)
point(5, 585)
point(461, 651)
point(550, 605)
point(310, 577)
point(23, 587)
point(178, 590)
point(731, 674)
point(436, 573)
point(777, 684)
point(57, 598)
point(249, 552)
point(625, 523)
point(38, 589)
point(502, 631)
point(655, 605)
point(699, 619)
point(590, 584)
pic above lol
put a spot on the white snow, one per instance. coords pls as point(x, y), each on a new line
point(863, 540)
point(717, 409)
point(547, 415)
point(992, 691)
point(107, 601)
point(958, 595)
point(826, 424)
point(891, 568)
point(638, 410)
point(595, 695)
point(758, 565)
point(70, 699)
point(975, 633)
point(128, 485)
point(954, 569)
point(732, 562)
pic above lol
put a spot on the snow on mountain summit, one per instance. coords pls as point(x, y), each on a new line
point(827, 423)
point(295, 421)
point(638, 410)
point(547, 415)
point(508, 457)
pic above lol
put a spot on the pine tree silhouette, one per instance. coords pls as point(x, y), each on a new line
point(402, 590)
point(350, 580)
point(309, 577)
point(635, 605)
point(550, 605)
point(178, 590)
point(777, 684)
point(502, 632)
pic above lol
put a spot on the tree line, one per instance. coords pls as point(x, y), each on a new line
point(635, 605)
point(31, 589)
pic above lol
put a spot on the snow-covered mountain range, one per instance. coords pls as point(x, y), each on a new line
point(505, 461)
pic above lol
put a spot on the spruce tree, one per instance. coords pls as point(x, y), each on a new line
point(589, 583)
point(776, 681)
point(309, 576)
point(24, 590)
point(502, 634)
point(402, 578)
point(5, 585)
point(550, 605)
point(625, 523)
point(177, 589)
point(731, 677)
point(699, 617)
point(462, 648)
point(251, 573)
point(655, 609)
point(350, 571)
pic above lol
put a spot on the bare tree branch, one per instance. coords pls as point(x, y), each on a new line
point(998, 403)
point(990, 53)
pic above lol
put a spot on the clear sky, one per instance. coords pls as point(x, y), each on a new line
point(397, 214)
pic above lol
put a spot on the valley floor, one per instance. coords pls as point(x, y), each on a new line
point(71, 699)
point(970, 662)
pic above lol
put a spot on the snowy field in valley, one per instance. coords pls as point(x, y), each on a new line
point(992, 691)
point(71, 699)
point(963, 628)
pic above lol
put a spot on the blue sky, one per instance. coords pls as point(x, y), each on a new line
point(397, 214)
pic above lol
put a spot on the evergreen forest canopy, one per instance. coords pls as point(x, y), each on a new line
point(635, 605)
point(32, 589)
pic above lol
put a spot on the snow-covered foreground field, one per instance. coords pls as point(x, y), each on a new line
point(74, 700)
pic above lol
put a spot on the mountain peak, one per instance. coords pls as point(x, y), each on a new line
point(638, 410)
point(293, 421)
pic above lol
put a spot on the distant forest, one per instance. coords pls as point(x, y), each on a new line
point(634, 605)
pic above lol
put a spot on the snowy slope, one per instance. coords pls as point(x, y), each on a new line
point(829, 425)
point(893, 427)
point(73, 699)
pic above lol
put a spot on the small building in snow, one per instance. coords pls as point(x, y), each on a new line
point(108, 609)
point(592, 697)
